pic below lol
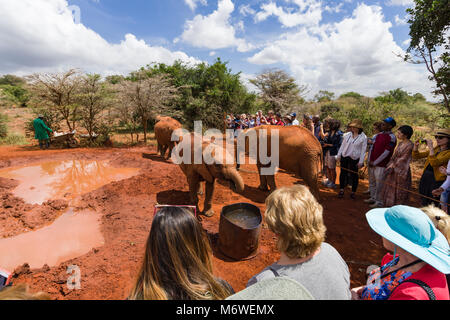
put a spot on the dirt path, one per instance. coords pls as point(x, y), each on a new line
point(126, 209)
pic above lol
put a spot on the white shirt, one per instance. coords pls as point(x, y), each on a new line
point(354, 148)
point(295, 123)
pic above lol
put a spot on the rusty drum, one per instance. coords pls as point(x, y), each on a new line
point(239, 230)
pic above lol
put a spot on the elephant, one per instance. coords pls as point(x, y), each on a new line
point(197, 172)
point(164, 128)
point(299, 152)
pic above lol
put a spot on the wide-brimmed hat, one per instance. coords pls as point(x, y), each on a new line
point(278, 288)
point(443, 132)
point(356, 124)
point(413, 231)
point(40, 115)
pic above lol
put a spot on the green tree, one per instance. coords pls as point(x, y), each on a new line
point(58, 92)
point(324, 96)
point(351, 94)
point(94, 100)
point(206, 92)
point(279, 90)
point(148, 95)
point(429, 30)
point(11, 80)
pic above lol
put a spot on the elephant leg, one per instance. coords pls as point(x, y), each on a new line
point(200, 189)
point(271, 182)
point(170, 152)
point(194, 184)
point(309, 172)
point(159, 149)
point(262, 181)
point(209, 192)
point(163, 151)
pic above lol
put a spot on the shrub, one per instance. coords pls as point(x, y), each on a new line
point(3, 126)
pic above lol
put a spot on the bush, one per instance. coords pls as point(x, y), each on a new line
point(3, 126)
point(13, 139)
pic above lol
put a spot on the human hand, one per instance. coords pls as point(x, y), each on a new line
point(437, 192)
point(360, 165)
point(356, 293)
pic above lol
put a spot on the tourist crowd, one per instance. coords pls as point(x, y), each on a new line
point(177, 262)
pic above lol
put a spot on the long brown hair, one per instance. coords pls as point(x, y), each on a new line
point(177, 263)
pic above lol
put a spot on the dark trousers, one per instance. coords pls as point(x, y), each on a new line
point(349, 177)
point(44, 144)
point(426, 185)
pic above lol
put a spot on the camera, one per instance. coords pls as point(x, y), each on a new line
point(5, 278)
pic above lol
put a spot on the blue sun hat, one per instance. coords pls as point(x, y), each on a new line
point(413, 231)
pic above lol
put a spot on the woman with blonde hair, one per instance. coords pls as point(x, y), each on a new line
point(177, 262)
point(21, 292)
point(295, 217)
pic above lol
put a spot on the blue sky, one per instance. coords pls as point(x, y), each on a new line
point(339, 46)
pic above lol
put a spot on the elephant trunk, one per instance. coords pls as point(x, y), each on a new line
point(238, 183)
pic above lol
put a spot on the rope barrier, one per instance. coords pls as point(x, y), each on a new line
point(387, 183)
point(398, 187)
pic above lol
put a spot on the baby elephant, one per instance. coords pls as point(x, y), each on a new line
point(212, 165)
point(164, 128)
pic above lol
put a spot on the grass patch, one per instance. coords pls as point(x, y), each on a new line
point(14, 140)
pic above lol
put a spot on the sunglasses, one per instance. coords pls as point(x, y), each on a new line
point(192, 209)
point(440, 137)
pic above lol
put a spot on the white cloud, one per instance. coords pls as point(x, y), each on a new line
point(193, 3)
point(400, 3)
point(309, 12)
point(399, 21)
point(215, 30)
point(41, 35)
point(355, 54)
point(246, 10)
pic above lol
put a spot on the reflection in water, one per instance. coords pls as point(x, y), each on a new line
point(59, 179)
point(70, 236)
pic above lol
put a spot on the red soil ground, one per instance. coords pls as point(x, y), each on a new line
point(126, 208)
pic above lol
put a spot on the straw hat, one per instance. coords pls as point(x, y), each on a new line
point(443, 132)
point(278, 288)
point(356, 123)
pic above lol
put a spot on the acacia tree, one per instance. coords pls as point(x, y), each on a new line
point(278, 89)
point(148, 95)
point(94, 100)
point(430, 42)
point(59, 92)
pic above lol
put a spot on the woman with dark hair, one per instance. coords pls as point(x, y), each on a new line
point(177, 263)
point(331, 145)
point(437, 156)
point(351, 155)
point(397, 179)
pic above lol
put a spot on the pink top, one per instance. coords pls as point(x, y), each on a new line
point(410, 291)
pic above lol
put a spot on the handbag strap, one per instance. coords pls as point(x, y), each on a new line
point(423, 285)
point(274, 272)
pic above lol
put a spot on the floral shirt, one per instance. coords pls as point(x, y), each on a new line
point(382, 282)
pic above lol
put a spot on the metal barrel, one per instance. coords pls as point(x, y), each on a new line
point(239, 240)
